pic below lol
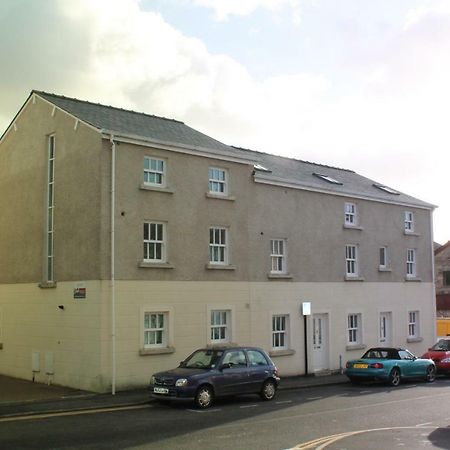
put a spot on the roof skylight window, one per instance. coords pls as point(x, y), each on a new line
point(386, 189)
point(261, 168)
point(327, 178)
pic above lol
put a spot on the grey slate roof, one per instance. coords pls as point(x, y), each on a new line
point(126, 122)
point(280, 169)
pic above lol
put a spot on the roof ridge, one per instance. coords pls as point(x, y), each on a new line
point(34, 91)
point(294, 159)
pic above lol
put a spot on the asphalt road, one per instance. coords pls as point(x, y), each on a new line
point(412, 416)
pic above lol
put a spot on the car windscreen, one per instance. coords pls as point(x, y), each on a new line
point(203, 359)
point(379, 354)
point(442, 345)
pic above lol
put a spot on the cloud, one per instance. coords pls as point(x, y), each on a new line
point(223, 9)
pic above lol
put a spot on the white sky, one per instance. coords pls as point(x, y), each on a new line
point(359, 84)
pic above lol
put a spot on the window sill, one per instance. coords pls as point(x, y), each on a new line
point(230, 198)
point(347, 226)
point(349, 278)
point(47, 285)
point(156, 351)
point(384, 269)
point(149, 265)
point(146, 187)
point(413, 279)
point(286, 352)
point(279, 276)
point(414, 339)
point(410, 233)
point(355, 347)
point(220, 267)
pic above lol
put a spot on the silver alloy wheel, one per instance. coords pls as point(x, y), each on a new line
point(394, 377)
point(204, 397)
point(431, 374)
point(268, 390)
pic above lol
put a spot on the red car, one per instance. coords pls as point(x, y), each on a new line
point(440, 354)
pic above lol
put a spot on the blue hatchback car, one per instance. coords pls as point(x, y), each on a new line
point(215, 372)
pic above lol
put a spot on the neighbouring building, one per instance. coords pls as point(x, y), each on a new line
point(128, 240)
point(442, 279)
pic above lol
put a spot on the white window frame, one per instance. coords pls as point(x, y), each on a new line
point(350, 214)
point(411, 263)
point(354, 329)
point(351, 260)
point(385, 327)
point(409, 222)
point(50, 250)
point(157, 241)
point(383, 255)
point(280, 332)
point(157, 329)
point(154, 171)
point(278, 253)
point(218, 245)
point(218, 181)
point(413, 324)
point(220, 322)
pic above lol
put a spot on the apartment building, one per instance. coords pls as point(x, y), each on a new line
point(129, 240)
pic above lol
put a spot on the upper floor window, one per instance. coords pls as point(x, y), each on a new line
point(446, 277)
point(154, 172)
point(409, 222)
point(354, 329)
point(218, 181)
point(350, 214)
point(154, 242)
point(383, 258)
point(410, 262)
point(351, 260)
point(218, 245)
point(278, 255)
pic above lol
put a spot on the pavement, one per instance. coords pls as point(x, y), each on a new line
point(22, 397)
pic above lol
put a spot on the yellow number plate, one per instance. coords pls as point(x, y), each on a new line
point(360, 366)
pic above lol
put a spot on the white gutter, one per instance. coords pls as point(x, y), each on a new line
point(113, 262)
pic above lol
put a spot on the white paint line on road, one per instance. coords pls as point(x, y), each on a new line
point(314, 398)
point(203, 411)
point(365, 392)
point(424, 424)
point(283, 402)
point(247, 406)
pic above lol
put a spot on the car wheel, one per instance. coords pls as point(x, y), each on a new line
point(268, 390)
point(431, 374)
point(204, 397)
point(394, 377)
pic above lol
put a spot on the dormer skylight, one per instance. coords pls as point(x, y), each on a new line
point(327, 178)
point(386, 189)
point(261, 168)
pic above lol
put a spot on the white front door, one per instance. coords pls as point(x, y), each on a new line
point(385, 334)
point(320, 342)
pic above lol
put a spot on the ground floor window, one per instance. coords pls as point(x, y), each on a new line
point(413, 324)
point(280, 332)
point(155, 329)
point(220, 325)
point(354, 329)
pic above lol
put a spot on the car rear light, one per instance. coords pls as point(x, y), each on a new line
point(376, 366)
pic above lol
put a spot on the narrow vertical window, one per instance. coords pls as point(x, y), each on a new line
point(154, 242)
point(351, 260)
point(383, 258)
point(218, 246)
point(278, 255)
point(409, 222)
point(410, 263)
point(49, 270)
point(350, 217)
